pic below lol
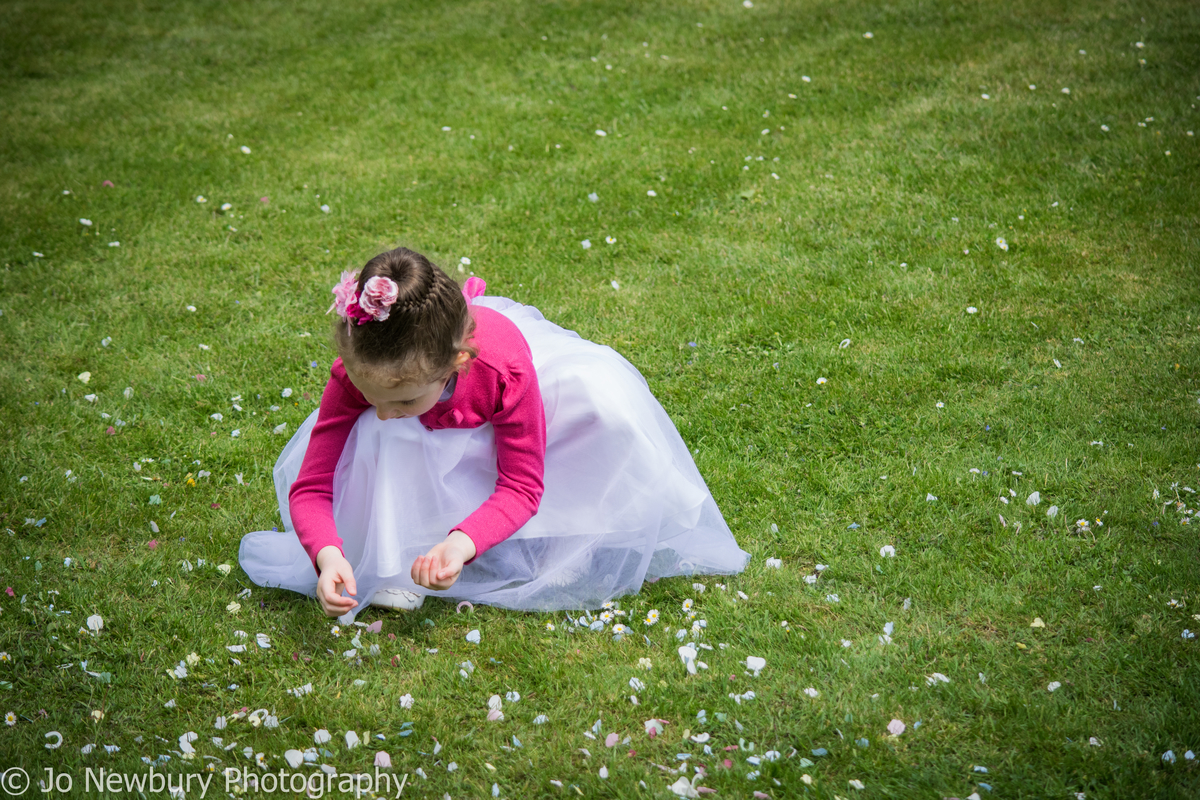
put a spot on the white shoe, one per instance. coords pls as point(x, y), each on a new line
point(400, 599)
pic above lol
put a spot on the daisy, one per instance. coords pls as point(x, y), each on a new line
point(687, 605)
point(549, 626)
point(10, 719)
point(5, 657)
point(619, 629)
point(652, 617)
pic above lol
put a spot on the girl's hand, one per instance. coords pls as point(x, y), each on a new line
point(441, 566)
point(336, 575)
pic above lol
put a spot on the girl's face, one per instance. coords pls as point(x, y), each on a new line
point(399, 402)
point(404, 400)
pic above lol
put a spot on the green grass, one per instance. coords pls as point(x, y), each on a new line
point(891, 166)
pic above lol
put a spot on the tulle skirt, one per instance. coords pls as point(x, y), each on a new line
point(623, 499)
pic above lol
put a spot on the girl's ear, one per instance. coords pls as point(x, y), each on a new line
point(463, 358)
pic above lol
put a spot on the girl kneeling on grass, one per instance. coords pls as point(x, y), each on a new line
point(560, 479)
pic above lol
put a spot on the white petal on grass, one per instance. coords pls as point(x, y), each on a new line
point(95, 623)
point(887, 551)
point(473, 636)
point(1053, 686)
point(586, 244)
point(756, 664)
point(811, 692)
point(601, 133)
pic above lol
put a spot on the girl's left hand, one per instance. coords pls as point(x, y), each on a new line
point(441, 566)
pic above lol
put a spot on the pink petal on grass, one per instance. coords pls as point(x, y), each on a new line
point(264, 200)
point(611, 740)
point(467, 603)
point(107, 183)
point(495, 715)
point(153, 543)
point(382, 759)
point(896, 727)
point(375, 627)
point(201, 378)
point(762, 796)
point(8, 590)
point(111, 431)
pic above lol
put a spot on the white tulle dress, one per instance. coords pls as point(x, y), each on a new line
point(623, 500)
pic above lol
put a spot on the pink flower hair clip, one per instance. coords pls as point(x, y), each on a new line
point(375, 302)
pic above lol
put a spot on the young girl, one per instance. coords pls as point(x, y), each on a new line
point(467, 448)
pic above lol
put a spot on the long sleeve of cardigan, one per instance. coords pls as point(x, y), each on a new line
point(520, 427)
point(310, 500)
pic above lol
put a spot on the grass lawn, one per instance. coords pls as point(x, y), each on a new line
point(921, 276)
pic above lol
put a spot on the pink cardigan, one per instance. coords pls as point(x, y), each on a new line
point(499, 387)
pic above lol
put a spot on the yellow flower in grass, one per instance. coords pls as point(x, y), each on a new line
point(10, 719)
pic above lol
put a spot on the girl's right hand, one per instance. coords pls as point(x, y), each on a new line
point(336, 575)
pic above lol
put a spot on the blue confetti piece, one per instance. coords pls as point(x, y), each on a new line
point(987, 786)
point(683, 756)
point(820, 752)
point(405, 733)
point(517, 742)
point(864, 742)
point(406, 725)
point(852, 526)
point(916, 724)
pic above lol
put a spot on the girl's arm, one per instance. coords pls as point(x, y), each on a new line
point(310, 500)
point(520, 427)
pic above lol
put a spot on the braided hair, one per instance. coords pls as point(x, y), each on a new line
point(429, 324)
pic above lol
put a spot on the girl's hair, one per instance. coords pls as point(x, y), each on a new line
point(428, 325)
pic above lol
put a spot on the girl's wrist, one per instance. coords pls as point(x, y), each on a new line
point(464, 544)
point(326, 554)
